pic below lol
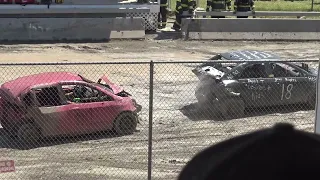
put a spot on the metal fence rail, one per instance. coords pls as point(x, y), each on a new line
point(101, 137)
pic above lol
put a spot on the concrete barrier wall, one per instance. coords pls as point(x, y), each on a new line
point(251, 29)
point(37, 29)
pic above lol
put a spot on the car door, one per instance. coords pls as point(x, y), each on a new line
point(50, 111)
point(255, 86)
point(294, 86)
point(81, 116)
point(79, 105)
point(94, 110)
point(106, 109)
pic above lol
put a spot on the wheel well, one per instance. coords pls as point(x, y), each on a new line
point(241, 99)
point(236, 98)
point(123, 112)
point(120, 115)
point(30, 121)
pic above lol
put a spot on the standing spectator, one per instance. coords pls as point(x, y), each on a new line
point(162, 16)
point(218, 5)
point(243, 6)
point(187, 6)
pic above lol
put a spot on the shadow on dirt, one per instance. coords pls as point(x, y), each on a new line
point(196, 114)
point(6, 141)
point(166, 35)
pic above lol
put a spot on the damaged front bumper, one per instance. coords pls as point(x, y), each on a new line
point(210, 92)
point(137, 106)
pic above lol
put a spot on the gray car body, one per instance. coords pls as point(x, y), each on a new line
point(217, 84)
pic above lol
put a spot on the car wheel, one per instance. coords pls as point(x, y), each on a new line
point(232, 108)
point(6, 127)
point(125, 123)
point(28, 135)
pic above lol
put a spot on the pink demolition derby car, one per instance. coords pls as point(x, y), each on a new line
point(63, 103)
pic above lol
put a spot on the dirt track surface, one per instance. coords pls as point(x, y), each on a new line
point(178, 132)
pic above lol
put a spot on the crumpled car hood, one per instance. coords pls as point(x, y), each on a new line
point(208, 71)
point(116, 89)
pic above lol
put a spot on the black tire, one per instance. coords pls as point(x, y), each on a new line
point(7, 129)
point(28, 135)
point(232, 108)
point(125, 123)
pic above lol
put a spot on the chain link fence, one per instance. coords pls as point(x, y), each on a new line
point(84, 124)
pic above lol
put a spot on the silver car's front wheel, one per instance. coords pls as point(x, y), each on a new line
point(232, 108)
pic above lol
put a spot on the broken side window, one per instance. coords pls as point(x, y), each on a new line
point(284, 70)
point(28, 99)
point(84, 94)
point(48, 96)
point(257, 70)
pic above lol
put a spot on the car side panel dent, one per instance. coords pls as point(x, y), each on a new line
point(231, 88)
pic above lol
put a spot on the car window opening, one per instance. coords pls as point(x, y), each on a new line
point(48, 96)
point(254, 71)
point(283, 70)
point(28, 100)
point(84, 94)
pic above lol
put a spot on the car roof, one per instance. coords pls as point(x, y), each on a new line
point(20, 84)
point(249, 55)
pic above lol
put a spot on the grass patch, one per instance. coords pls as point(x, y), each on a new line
point(273, 5)
point(285, 6)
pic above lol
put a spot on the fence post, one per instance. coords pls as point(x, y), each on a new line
point(317, 111)
point(150, 120)
point(312, 3)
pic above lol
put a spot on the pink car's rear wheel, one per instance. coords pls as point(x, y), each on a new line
point(28, 134)
point(125, 123)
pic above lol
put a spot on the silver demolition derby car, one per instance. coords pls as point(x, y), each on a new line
point(234, 86)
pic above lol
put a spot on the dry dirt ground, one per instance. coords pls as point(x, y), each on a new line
point(177, 136)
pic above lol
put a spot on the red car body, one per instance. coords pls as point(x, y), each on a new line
point(42, 101)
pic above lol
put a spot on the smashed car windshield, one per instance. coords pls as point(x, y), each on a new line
point(104, 86)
